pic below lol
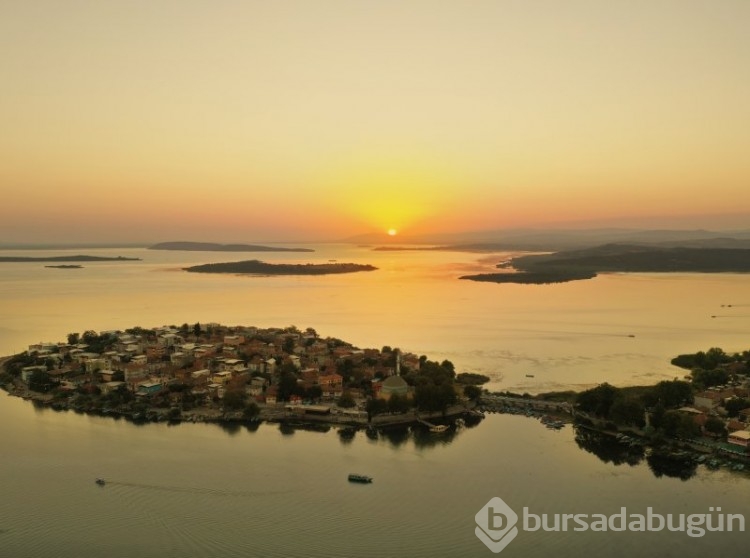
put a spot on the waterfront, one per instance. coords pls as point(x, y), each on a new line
point(204, 490)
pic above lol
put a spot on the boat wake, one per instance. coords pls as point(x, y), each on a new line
point(197, 490)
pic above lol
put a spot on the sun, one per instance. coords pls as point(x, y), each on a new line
point(392, 232)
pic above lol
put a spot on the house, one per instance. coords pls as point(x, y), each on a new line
point(149, 388)
point(221, 378)
point(109, 387)
point(106, 375)
point(234, 340)
point(232, 364)
point(271, 395)
point(27, 371)
point(332, 385)
point(739, 438)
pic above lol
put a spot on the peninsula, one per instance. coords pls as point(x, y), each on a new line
point(213, 247)
point(257, 267)
point(79, 258)
point(635, 258)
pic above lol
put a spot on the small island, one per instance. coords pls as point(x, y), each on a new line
point(214, 247)
point(216, 373)
point(257, 267)
point(79, 258)
point(574, 265)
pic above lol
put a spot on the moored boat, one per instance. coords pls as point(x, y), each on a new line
point(359, 478)
point(100, 482)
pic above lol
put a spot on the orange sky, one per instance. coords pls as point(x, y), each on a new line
point(308, 120)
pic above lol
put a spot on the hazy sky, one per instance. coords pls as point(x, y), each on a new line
point(313, 119)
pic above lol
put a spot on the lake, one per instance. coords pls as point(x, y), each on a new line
point(203, 490)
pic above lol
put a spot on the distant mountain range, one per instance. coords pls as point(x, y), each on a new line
point(559, 239)
point(572, 265)
point(214, 247)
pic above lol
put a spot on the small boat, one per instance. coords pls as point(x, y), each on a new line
point(529, 375)
point(360, 478)
point(438, 428)
point(100, 482)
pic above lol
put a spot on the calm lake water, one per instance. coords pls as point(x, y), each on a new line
point(201, 490)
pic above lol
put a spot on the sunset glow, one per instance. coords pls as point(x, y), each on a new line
point(265, 121)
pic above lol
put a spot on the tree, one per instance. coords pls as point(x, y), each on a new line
point(346, 400)
point(472, 392)
point(39, 381)
point(735, 405)
point(628, 412)
point(234, 400)
point(674, 393)
point(288, 385)
point(679, 425)
point(251, 410)
point(73, 338)
point(375, 407)
point(398, 404)
point(197, 329)
point(288, 345)
point(598, 400)
point(715, 426)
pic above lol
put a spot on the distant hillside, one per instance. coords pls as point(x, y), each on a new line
point(640, 258)
point(262, 268)
point(67, 259)
point(213, 247)
point(583, 264)
point(549, 240)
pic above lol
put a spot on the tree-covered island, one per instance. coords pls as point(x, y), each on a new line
point(79, 258)
point(574, 265)
point(263, 268)
point(214, 247)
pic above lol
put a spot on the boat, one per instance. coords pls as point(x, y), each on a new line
point(100, 482)
point(360, 478)
point(529, 375)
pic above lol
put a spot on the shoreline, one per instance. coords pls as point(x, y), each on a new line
point(276, 414)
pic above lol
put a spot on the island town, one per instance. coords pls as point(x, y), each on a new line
point(211, 372)
point(216, 373)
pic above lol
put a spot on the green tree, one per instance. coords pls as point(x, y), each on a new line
point(39, 381)
point(398, 404)
point(346, 400)
point(674, 393)
point(715, 426)
point(375, 406)
point(234, 400)
point(679, 425)
point(472, 392)
point(251, 410)
point(288, 345)
point(598, 400)
point(735, 405)
point(73, 338)
point(626, 411)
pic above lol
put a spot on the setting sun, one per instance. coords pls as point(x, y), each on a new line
point(392, 232)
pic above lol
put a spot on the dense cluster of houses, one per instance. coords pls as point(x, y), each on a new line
point(713, 402)
point(212, 360)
